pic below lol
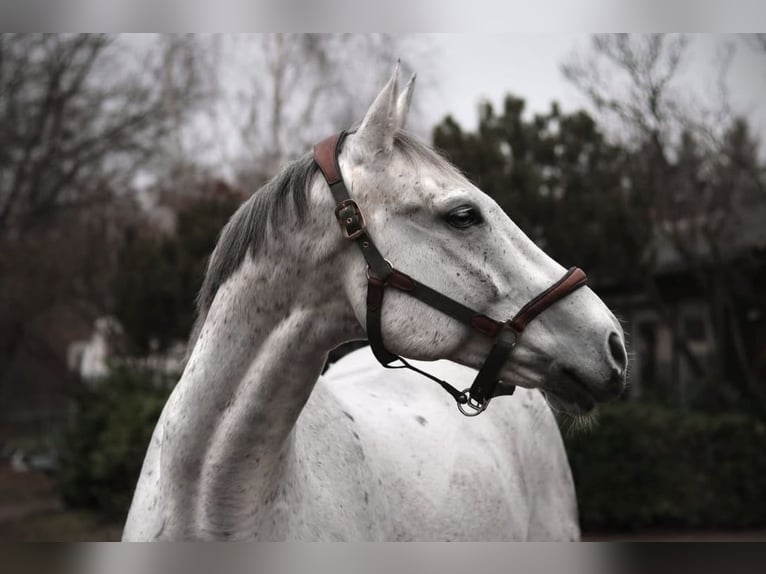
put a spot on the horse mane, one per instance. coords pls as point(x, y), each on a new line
point(246, 230)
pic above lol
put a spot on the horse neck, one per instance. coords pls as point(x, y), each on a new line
point(256, 360)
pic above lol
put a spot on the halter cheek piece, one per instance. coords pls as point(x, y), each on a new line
point(381, 274)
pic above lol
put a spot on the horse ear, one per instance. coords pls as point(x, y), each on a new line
point(377, 130)
point(403, 103)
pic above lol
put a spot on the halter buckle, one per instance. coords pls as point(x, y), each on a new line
point(471, 407)
point(350, 219)
point(369, 273)
point(508, 334)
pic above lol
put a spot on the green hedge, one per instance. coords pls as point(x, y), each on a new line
point(647, 466)
point(102, 450)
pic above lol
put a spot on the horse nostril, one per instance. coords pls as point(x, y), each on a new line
point(617, 350)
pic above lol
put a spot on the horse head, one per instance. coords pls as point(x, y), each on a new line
point(437, 227)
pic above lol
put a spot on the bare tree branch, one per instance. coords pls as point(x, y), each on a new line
point(277, 93)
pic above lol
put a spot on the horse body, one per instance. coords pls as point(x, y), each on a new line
point(254, 444)
point(377, 455)
point(436, 475)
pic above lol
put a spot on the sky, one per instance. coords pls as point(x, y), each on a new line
point(462, 69)
point(457, 71)
point(466, 68)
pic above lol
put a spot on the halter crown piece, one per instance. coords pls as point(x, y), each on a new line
point(381, 274)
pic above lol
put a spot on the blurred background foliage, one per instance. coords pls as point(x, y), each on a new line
point(158, 276)
point(649, 466)
point(101, 452)
point(112, 196)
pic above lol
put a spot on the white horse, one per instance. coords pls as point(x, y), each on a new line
point(255, 444)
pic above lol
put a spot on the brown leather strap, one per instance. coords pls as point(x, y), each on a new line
point(487, 385)
point(573, 280)
point(326, 158)
point(347, 212)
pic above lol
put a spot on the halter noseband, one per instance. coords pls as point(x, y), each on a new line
point(381, 274)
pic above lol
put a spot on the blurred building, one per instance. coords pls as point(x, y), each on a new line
point(659, 364)
point(88, 358)
point(91, 359)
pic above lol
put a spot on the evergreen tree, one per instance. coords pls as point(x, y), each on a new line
point(159, 275)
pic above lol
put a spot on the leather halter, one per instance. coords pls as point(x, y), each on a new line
point(382, 274)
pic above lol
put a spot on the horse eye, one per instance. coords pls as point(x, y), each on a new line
point(463, 217)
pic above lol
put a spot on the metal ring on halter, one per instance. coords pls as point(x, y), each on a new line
point(476, 408)
point(390, 266)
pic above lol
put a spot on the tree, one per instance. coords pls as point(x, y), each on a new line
point(159, 274)
point(698, 167)
point(79, 121)
point(277, 94)
point(83, 116)
point(105, 136)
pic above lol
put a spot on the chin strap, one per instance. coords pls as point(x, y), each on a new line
point(381, 274)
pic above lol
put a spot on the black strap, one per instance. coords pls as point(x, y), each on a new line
point(459, 396)
point(486, 381)
point(375, 292)
point(442, 303)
